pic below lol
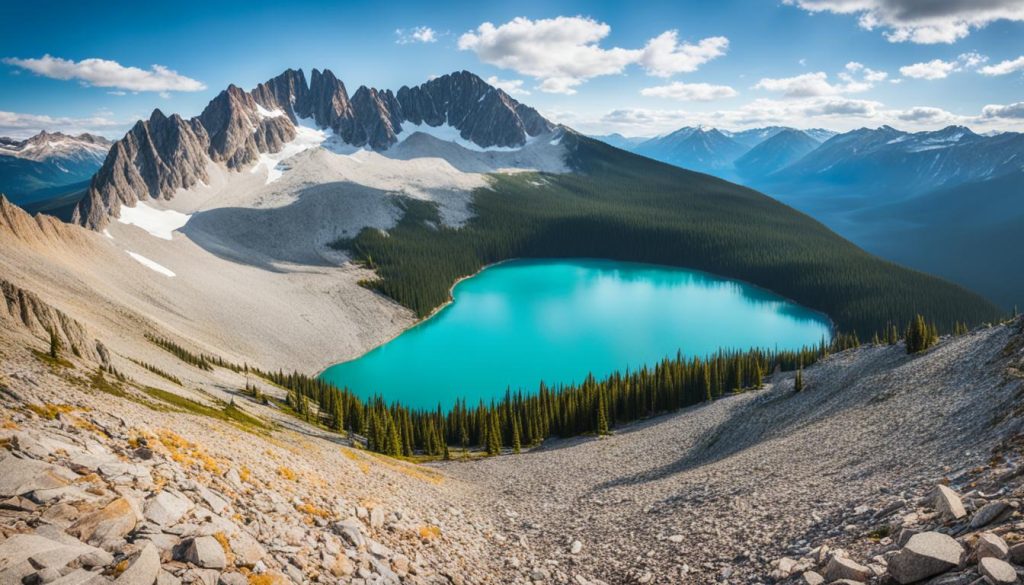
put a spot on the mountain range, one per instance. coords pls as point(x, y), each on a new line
point(945, 201)
point(34, 169)
point(160, 155)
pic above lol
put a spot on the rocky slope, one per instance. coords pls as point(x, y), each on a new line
point(150, 470)
point(164, 154)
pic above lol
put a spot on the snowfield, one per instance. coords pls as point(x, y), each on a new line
point(158, 222)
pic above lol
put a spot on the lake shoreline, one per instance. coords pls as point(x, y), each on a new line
point(781, 324)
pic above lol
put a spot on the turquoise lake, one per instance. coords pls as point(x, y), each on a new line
point(520, 322)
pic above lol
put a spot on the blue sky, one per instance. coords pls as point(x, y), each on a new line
point(635, 68)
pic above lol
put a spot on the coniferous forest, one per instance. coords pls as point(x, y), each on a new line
point(620, 206)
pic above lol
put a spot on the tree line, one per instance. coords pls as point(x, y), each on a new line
point(619, 206)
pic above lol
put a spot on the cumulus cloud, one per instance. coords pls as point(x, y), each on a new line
point(664, 55)
point(19, 125)
point(417, 34)
point(855, 78)
point(1004, 67)
point(927, 114)
point(1013, 111)
point(105, 73)
point(939, 69)
point(509, 86)
point(564, 52)
point(934, 69)
point(920, 21)
point(691, 92)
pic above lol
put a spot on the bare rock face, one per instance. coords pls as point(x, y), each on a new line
point(157, 157)
point(483, 114)
point(287, 92)
point(24, 308)
point(239, 132)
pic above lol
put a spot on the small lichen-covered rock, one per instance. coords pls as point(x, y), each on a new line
point(205, 552)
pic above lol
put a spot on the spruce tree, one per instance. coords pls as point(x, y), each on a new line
point(798, 382)
point(602, 415)
point(54, 344)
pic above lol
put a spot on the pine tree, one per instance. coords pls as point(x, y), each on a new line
point(602, 415)
point(55, 345)
point(515, 435)
point(493, 436)
point(798, 382)
point(758, 375)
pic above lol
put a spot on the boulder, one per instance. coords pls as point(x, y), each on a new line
point(143, 569)
point(247, 550)
point(990, 545)
point(925, 555)
point(21, 476)
point(24, 554)
point(167, 508)
point(811, 578)
point(843, 568)
point(377, 517)
point(205, 552)
point(1016, 554)
point(80, 577)
point(948, 504)
point(108, 525)
point(232, 579)
point(998, 572)
point(989, 513)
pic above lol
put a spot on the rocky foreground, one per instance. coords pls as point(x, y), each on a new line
point(888, 468)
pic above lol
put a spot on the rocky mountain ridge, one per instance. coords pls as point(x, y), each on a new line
point(166, 153)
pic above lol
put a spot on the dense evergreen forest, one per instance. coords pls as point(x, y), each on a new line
point(522, 420)
point(621, 206)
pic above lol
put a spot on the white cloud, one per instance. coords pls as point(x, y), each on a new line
point(564, 52)
point(105, 73)
point(694, 92)
point(1011, 112)
point(939, 69)
point(509, 86)
point(856, 78)
point(920, 21)
point(117, 92)
point(19, 125)
point(1004, 67)
point(664, 56)
point(417, 34)
point(934, 69)
point(927, 114)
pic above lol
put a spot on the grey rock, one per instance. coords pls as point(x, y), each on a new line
point(997, 571)
point(989, 513)
point(21, 476)
point(990, 545)
point(811, 578)
point(948, 503)
point(80, 577)
point(205, 552)
point(167, 508)
point(247, 550)
point(232, 579)
point(925, 555)
point(843, 568)
point(143, 569)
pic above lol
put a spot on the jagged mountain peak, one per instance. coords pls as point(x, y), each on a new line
point(163, 154)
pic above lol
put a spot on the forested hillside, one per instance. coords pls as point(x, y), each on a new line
point(622, 206)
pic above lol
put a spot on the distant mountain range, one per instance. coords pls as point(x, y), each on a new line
point(35, 168)
point(948, 201)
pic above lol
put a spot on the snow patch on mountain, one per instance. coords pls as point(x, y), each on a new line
point(152, 265)
point(160, 223)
